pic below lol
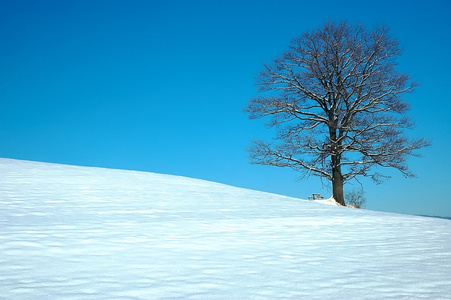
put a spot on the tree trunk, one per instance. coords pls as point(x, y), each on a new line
point(337, 177)
point(337, 187)
point(337, 181)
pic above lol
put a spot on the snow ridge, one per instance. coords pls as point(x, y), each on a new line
point(92, 233)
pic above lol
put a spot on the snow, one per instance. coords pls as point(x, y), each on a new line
point(329, 201)
point(70, 232)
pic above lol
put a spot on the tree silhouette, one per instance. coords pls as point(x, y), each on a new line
point(335, 99)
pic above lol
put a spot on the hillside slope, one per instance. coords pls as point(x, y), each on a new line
point(92, 233)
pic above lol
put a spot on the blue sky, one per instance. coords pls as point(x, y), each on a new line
point(160, 86)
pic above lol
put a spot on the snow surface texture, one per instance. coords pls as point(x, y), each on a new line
point(71, 232)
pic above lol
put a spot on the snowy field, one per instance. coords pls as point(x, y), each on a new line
point(71, 232)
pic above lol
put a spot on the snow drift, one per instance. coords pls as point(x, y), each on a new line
point(91, 233)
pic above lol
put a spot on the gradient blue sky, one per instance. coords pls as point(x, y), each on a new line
point(160, 86)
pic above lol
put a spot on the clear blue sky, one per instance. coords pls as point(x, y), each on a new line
point(160, 86)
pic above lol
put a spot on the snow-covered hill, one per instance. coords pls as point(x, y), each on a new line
point(91, 233)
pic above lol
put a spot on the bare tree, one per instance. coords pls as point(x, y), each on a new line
point(355, 198)
point(335, 99)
